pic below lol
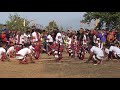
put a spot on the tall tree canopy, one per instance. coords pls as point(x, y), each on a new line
point(16, 22)
point(52, 25)
point(110, 18)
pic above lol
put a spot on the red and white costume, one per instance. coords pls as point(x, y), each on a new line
point(21, 55)
point(10, 50)
point(98, 53)
point(2, 53)
point(58, 47)
point(115, 50)
point(36, 36)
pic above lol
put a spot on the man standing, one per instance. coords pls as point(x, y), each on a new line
point(36, 39)
point(50, 42)
point(59, 47)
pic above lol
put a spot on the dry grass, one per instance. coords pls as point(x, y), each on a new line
point(69, 68)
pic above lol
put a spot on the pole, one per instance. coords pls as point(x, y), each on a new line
point(53, 26)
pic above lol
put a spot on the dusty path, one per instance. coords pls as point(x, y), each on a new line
point(48, 68)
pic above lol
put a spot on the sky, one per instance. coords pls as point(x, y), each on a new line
point(65, 19)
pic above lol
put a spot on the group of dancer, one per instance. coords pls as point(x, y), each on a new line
point(28, 46)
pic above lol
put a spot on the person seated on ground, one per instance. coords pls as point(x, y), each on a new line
point(23, 54)
point(3, 56)
point(96, 54)
point(114, 52)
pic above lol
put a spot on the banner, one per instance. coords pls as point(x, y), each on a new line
point(97, 21)
point(24, 23)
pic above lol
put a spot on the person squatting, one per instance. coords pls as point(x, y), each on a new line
point(27, 46)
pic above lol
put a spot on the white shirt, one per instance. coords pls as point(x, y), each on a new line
point(50, 39)
point(97, 51)
point(69, 40)
point(34, 34)
point(115, 49)
point(10, 49)
point(2, 50)
point(24, 51)
point(21, 39)
point(59, 39)
point(58, 35)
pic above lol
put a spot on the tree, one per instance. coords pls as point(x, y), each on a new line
point(1, 25)
point(52, 25)
point(16, 22)
point(61, 28)
point(110, 18)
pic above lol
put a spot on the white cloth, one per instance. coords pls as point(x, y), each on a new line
point(97, 51)
point(2, 50)
point(84, 39)
point(59, 38)
point(16, 39)
point(94, 38)
point(97, 57)
point(10, 49)
point(100, 45)
point(115, 50)
point(23, 52)
point(21, 39)
point(31, 47)
point(69, 40)
point(50, 39)
point(34, 35)
point(25, 35)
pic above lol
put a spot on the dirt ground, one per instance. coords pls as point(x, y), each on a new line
point(69, 68)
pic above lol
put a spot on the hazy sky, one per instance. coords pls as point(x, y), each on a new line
point(66, 19)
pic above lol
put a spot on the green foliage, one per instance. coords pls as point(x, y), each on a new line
point(52, 25)
point(15, 22)
point(107, 17)
point(1, 25)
